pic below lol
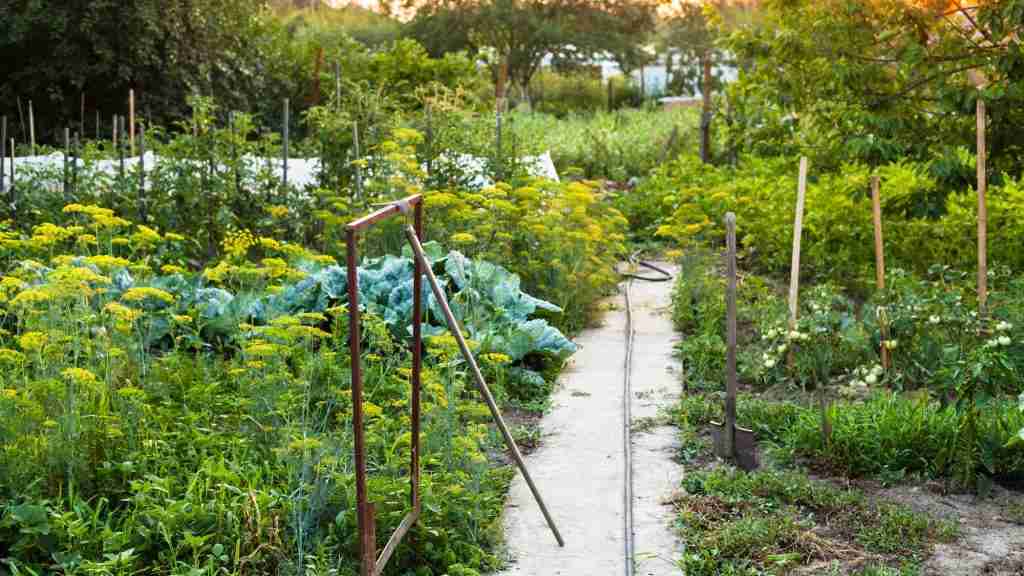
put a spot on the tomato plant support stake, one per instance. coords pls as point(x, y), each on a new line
point(982, 215)
point(485, 392)
point(370, 563)
point(876, 211)
point(31, 130)
point(3, 152)
point(284, 151)
point(142, 173)
point(131, 121)
point(794, 272)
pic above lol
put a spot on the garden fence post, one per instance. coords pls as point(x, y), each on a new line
point(12, 192)
point(67, 157)
point(794, 273)
point(131, 121)
point(142, 174)
point(3, 152)
point(359, 169)
point(31, 129)
point(876, 211)
point(74, 163)
point(284, 150)
point(982, 216)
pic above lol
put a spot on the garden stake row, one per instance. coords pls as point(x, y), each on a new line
point(370, 563)
point(485, 392)
point(731, 441)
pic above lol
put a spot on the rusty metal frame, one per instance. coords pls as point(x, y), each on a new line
point(370, 563)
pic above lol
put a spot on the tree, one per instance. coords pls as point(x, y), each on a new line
point(692, 34)
point(164, 49)
point(514, 36)
point(884, 79)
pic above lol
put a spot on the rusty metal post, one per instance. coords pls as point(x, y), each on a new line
point(417, 364)
point(364, 510)
point(372, 564)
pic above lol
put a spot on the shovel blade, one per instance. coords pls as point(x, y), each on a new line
point(745, 450)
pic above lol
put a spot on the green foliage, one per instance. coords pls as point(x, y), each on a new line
point(770, 522)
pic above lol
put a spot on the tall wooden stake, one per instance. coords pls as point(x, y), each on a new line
point(982, 215)
point(131, 121)
point(31, 129)
point(67, 158)
point(794, 272)
point(284, 166)
point(876, 210)
point(731, 386)
point(142, 174)
point(3, 151)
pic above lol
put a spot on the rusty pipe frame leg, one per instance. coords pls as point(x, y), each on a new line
point(456, 330)
point(370, 563)
point(364, 509)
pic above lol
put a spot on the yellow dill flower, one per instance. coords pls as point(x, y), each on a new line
point(312, 317)
point(122, 312)
point(79, 375)
point(174, 237)
point(86, 239)
point(497, 358)
point(145, 236)
point(142, 293)
point(131, 392)
point(172, 269)
point(277, 211)
point(371, 410)
point(463, 238)
point(261, 349)
point(270, 243)
point(31, 297)
point(11, 356)
point(33, 341)
point(8, 393)
point(76, 275)
point(182, 318)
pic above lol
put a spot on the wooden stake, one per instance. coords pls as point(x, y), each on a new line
point(337, 86)
point(31, 129)
point(731, 386)
point(3, 151)
point(113, 130)
point(67, 157)
point(794, 272)
point(876, 210)
point(142, 174)
point(284, 165)
point(97, 125)
point(982, 215)
point(798, 226)
point(131, 121)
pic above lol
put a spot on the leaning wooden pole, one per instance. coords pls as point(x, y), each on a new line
point(794, 271)
point(456, 330)
point(982, 215)
point(876, 211)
